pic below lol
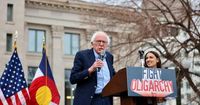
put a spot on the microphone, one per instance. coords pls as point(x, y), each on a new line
point(101, 57)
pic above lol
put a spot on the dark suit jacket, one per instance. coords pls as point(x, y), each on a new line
point(86, 84)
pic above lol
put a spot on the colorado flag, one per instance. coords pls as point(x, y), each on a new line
point(43, 89)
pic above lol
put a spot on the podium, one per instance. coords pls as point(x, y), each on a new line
point(118, 87)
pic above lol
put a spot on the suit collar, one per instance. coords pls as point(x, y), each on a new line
point(91, 55)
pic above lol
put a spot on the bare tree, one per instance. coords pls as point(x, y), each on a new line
point(169, 26)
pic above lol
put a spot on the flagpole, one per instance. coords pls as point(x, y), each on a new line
point(44, 49)
point(15, 40)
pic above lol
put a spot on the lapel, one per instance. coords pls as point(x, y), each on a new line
point(91, 57)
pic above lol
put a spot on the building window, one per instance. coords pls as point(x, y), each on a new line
point(10, 12)
point(182, 96)
point(187, 85)
point(198, 84)
point(71, 43)
point(174, 31)
point(31, 73)
point(181, 84)
point(35, 40)
point(69, 89)
point(188, 96)
point(197, 63)
point(9, 42)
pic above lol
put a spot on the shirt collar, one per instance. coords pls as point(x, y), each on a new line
point(97, 55)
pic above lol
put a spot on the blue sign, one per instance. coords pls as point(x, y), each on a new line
point(151, 82)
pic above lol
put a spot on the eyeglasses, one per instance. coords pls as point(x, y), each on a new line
point(100, 41)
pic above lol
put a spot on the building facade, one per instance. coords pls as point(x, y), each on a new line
point(61, 23)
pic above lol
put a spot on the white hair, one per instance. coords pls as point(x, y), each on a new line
point(97, 33)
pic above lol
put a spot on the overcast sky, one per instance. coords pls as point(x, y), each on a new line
point(116, 2)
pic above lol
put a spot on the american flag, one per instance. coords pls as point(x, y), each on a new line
point(13, 87)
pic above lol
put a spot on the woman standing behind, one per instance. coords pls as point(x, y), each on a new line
point(151, 60)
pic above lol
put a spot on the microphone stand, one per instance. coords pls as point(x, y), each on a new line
point(141, 53)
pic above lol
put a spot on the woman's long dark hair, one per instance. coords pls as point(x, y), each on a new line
point(156, 55)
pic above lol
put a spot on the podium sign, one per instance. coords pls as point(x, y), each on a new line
point(151, 82)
